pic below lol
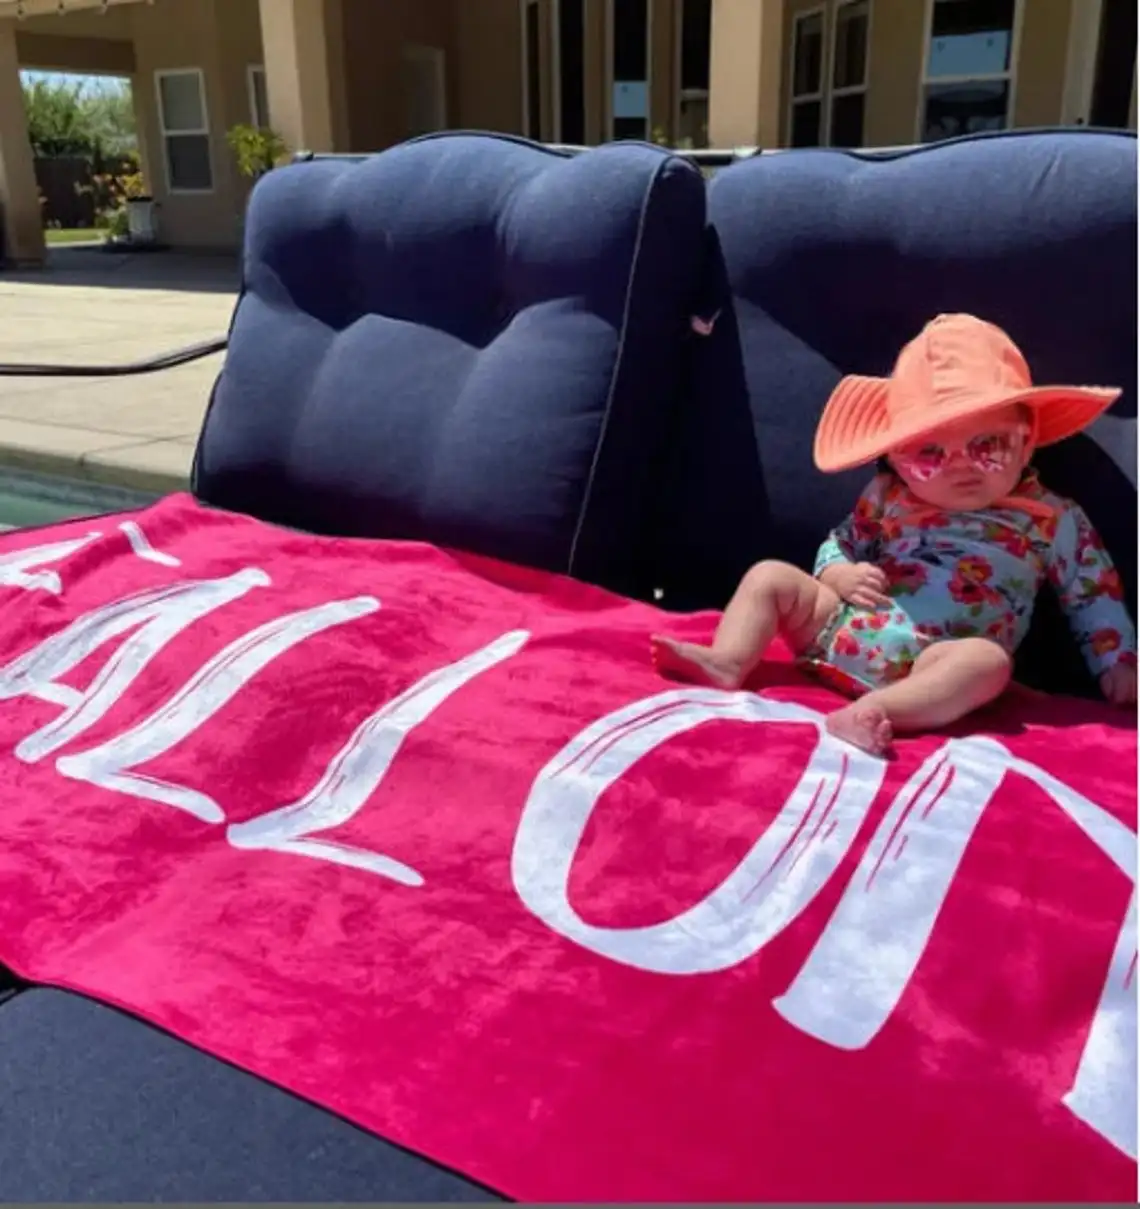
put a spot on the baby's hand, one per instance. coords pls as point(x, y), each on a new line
point(861, 584)
point(1119, 684)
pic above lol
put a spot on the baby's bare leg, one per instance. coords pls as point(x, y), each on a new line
point(948, 681)
point(773, 598)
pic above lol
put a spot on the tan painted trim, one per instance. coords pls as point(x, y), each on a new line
point(555, 71)
point(436, 58)
point(594, 56)
point(251, 70)
point(1010, 75)
point(678, 34)
point(608, 73)
point(649, 69)
point(547, 83)
point(524, 60)
point(60, 52)
point(336, 77)
point(1080, 61)
point(548, 79)
point(663, 39)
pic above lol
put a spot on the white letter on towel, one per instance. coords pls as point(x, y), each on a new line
point(785, 869)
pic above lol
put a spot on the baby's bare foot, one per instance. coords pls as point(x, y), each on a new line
point(693, 663)
point(863, 724)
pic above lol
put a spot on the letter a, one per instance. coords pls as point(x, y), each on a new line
point(359, 767)
point(160, 615)
point(223, 677)
point(15, 567)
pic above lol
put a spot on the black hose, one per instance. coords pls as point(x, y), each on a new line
point(179, 356)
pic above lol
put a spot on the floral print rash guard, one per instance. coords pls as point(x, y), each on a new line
point(977, 574)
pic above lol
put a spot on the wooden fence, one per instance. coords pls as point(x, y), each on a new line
point(65, 186)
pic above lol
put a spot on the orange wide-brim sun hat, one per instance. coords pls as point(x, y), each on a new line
point(957, 367)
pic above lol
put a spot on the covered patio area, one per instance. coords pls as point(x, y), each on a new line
point(326, 75)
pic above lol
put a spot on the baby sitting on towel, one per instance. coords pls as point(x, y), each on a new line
point(920, 598)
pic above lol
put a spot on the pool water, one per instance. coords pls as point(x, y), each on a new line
point(28, 500)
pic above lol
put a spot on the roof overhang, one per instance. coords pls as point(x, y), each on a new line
point(41, 8)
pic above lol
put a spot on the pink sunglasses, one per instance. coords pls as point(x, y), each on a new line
point(990, 452)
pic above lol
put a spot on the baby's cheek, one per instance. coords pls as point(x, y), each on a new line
point(1006, 480)
point(929, 491)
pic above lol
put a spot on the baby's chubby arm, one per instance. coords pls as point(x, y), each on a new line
point(842, 562)
point(1092, 596)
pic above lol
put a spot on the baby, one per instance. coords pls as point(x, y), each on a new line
point(920, 598)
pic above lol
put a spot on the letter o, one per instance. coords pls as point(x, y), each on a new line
point(783, 871)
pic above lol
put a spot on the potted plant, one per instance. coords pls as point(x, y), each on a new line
point(257, 149)
point(124, 207)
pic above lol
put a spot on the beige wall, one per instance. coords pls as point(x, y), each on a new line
point(1040, 86)
point(482, 41)
point(82, 42)
point(595, 19)
point(94, 56)
point(895, 62)
point(89, 23)
point(239, 27)
point(663, 35)
point(220, 37)
point(894, 72)
point(374, 38)
point(488, 70)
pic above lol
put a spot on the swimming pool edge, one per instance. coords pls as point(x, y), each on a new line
point(153, 467)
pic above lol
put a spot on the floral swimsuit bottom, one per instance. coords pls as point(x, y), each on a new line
point(965, 575)
point(858, 650)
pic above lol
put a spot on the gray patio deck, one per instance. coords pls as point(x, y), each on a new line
point(87, 306)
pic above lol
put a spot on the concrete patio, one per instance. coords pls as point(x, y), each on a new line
point(87, 307)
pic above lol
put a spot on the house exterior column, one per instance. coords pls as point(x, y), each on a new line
point(746, 67)
point(19, 196)
point(295, 44)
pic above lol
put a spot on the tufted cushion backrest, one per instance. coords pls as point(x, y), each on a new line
point(831, 262)
point(467, 339)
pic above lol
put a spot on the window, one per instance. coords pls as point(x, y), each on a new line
point(849, 47)
point(185, 130)
point(570, 54)
point(1115, 65)
point(968, 70)
point(629, 68)
point(425, 90)
point(805, 120)
point(258, 98)
point(532, 71)
point(694, 48)
point(554, 60)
